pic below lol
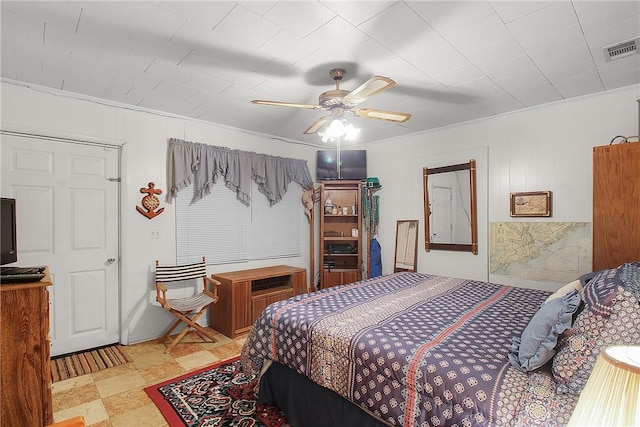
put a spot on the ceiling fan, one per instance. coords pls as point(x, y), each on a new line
point(338, 101)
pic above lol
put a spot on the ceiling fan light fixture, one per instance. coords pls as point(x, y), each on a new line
point(339, 128)
point(351, 132)
point(337, 101)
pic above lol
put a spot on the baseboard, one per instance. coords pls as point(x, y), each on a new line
point(153, 335)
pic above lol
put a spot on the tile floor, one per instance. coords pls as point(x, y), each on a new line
point(115, 397)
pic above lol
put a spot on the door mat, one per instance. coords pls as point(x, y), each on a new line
point(218, 395)
point(86, 362)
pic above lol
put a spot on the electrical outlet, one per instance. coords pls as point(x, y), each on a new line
point(154, 234)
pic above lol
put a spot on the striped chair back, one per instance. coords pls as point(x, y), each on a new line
point(173, 273)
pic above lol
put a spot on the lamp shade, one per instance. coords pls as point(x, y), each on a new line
point(611, 395)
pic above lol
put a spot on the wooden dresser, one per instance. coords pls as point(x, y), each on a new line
point(24, 354)
point(616, 205)
point(245, 293)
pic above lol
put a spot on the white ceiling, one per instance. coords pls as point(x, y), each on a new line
point(453, 61)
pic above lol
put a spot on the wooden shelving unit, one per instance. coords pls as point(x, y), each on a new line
point(340, 232)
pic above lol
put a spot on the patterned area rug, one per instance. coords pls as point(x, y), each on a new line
point(97, 359)
point(219, 395)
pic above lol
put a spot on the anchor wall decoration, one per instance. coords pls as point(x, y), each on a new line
point(150, 202)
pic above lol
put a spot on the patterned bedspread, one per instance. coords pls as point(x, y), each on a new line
point(409, 348)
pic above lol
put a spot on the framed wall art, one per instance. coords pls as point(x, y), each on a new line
point(531, 204)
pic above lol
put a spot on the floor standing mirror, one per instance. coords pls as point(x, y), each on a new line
point(406, 245)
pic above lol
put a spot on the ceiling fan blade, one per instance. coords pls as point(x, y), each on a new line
point(315, 127)
point(371, 87)
point(391, 116)
point(284, 104)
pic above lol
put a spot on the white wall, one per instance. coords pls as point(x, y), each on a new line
point(143, 137)
point(543, 148)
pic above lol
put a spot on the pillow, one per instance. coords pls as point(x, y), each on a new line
point(576, 284)
point(594, 328)
point(536, 345)
point(591, 334)
point(586, 278)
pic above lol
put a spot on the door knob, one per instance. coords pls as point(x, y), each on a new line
point(111, 260)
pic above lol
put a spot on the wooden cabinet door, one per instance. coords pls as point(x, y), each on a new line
point(242, 311)
point(336, 278)
point(330, 279)
point(300, 282)
point(616, 205)
point(258, 304)
point(350, 276)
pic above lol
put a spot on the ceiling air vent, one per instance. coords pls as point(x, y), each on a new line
point(621, 50)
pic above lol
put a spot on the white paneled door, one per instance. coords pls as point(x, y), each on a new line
point(67, 211)
point(441, 214)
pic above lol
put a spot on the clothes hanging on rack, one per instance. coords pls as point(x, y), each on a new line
point(375, 214)
point(370, 213)
point(376, 259)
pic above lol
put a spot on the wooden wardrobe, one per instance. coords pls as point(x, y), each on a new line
point(616, 205)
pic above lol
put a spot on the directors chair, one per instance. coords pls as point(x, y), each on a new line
point(188, 310)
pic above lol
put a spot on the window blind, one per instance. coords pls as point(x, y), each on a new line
point(225, 230)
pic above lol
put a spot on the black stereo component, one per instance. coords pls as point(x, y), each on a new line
point(329, 264)
point(342, 248)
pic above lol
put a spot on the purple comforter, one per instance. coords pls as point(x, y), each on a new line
point(409, 348)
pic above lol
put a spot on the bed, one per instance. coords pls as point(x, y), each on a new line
point(411, 349)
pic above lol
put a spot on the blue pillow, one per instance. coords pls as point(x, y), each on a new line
point(536, 345)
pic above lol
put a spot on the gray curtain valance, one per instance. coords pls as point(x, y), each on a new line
point(201, 165)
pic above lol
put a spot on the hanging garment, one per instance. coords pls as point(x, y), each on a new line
point(376, 259)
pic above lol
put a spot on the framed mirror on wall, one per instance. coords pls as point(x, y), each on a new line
point(450, 209)
point(406, 245)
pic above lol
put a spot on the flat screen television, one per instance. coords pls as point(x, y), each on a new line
point(8, 238)
point(353, 165)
